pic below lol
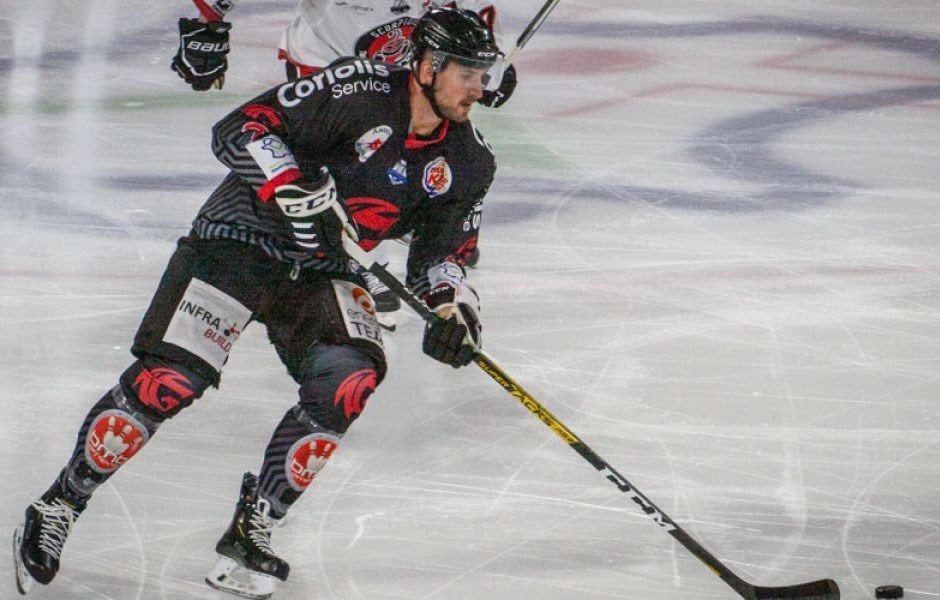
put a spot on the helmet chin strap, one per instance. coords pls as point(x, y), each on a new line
point(428, 91)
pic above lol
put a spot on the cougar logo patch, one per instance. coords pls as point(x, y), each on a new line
point(307, 456)
point(370, 141)
point(260, 112)
point(162, 389)
point(113, 439)
point(437, 177)
point(355, 390)
point(375, 215)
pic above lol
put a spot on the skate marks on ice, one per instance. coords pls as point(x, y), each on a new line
point(773, 391)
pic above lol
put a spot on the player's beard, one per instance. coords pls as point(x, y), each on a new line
point(457, 111)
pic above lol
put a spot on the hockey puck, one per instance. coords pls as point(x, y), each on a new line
point(889, 591)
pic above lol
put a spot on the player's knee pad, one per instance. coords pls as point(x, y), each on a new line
point(336, 381)
point(160, 389)
point(298, 450)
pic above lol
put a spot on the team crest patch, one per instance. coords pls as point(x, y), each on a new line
point(370, 141)
point(389, 42)
point(437, 177)
point(398, 173)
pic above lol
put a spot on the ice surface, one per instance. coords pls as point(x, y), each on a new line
point(711, 251)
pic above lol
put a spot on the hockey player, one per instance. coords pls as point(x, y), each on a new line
point(321, 32)
point(361, 149)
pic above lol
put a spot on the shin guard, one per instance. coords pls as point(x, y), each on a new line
point(297, 451)
point(123, 421)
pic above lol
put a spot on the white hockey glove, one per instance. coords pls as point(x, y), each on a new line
point(315, 213)
point(454, 337)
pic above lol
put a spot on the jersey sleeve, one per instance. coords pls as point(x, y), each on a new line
point(260, 140)
point(213, 10)
point(289, 130)
point(253, 141)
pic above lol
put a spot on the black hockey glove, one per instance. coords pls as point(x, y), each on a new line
point(315, 213)
point(499, 96)
point(454, 335)
point(200, 59)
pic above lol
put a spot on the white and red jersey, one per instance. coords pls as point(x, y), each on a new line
point(324, 30)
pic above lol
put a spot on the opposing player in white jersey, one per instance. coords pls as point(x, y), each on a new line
point(321, 32)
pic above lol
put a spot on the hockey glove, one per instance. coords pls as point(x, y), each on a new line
point(315, 213)
point(201, 59)
point(499, 96)
point(455, 334)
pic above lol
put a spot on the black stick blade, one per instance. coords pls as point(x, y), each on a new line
point(824, 589)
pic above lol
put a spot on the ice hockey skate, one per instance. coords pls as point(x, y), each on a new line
point(247, 565)
point(38, 542)
point(386, 302)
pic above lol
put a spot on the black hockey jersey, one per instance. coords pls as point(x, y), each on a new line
point(352, 118)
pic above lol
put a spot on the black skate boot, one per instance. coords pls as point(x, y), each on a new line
point(37, 543)
point(247, 565)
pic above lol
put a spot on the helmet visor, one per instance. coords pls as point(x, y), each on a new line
point(472, 71)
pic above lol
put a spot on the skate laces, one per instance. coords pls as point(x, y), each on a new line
point(261, 525)
point(57, 519)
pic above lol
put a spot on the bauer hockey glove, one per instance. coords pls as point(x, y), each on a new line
point(315, 213)
point(499, 96)
point(201, 57)
point(455, 334)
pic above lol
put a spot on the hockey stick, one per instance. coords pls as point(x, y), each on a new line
point(531, 28)
point(823, 589)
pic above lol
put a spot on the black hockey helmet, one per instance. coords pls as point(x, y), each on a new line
point(454, 34)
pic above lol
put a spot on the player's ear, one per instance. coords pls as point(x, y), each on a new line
point(425, 69)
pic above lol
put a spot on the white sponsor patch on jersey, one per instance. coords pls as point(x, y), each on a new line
point(371, 141)
point(358, 312)
point(272, 155)
point(207, 323)
point(437, 177)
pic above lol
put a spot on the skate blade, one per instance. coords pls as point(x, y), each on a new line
point(24, 581)
point(229, 576)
